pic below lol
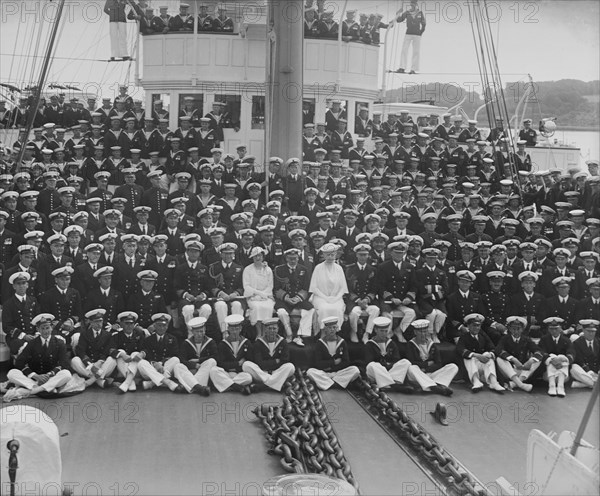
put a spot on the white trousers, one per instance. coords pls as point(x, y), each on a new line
point(187, 311)
point(509, 371)
point(306, 321)
point(189, 380)
point(125, 368)
point(106, 367)
point(324, 380)
point(260, 310)
point(552, 371)
point(426, 380)
point(60, 379)
point(149, 373)
point(356, 313)
point(478, 369)
point(384, 377)
point(436, 319)
point(223, 380)
point(275, 379)
point(415, 41)
point(407, 315)
point(221, 309)
point(118, 39)
point(325, 309)
point(588, 378)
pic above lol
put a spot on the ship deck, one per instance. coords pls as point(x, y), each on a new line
point(157, 443)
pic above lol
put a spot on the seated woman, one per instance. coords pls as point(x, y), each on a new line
point(328, 286)
point(258, 288)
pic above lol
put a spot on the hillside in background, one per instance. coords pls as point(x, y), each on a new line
point(575, 103)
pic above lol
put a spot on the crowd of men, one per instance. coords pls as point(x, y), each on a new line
point(150, 257)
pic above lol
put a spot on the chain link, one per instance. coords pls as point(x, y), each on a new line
point(452, 475)
point(300, 433)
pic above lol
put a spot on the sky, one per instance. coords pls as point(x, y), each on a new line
point(549, 39)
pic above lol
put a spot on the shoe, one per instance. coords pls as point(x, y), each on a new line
point(115, 384)
point(246, 390)
point(578, 385)
point(101, 383)
point(122, 390)
point(400, 71)
point(497, 388)
point(441, 389)
point(440, 414)
point(132, 386)
point(476, 389)
point(112, 58)
point(511, 386)
point(109, 381)
point(402, 388)
point(147, 385)
point(201, 390)
point(412, 72)
point(552, 390)
point(4, 386)
point(298, 341)
point(236, 387)
point(526, 387)
point(180, 389)
point(560, 391)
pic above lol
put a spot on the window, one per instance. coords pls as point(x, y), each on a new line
point(308, 111)
point(231, 111)
point(258, 112)
point(192, 105)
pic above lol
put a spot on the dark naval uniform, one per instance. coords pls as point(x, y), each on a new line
point(114, 303)
point(91, 349)
point(230, 361)
point(146, 305)
point(36, 358)
point(160, 352)
point(361, 284)
point(268, 361)
point(129, 344)
point(459, 307)
point(288, 282)
point(228, 280)
point(16, 319)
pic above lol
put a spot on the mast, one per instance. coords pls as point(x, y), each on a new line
point(42, 79)
point(285, 69)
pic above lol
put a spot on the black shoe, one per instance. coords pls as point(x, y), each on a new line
point(179, 389)
point(247, 390)
point(402, 388)
point(201, 390)
point(129, 58)
point(400, 71)
point(440, 414)
point(237, 388)
point(412, 72)
point(441, 389)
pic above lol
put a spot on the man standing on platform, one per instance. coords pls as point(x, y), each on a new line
point(115, 9)
point(415, 26)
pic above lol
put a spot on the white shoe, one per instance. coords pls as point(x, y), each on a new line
point(578, 385)
point(101, 383)
point(170, 384)
point(526, 387)
point(147, 385)
point(560, 391)
point(4, 386)
point(497, 387)
point(552, 390)
point(132, 386)
point(298, 341)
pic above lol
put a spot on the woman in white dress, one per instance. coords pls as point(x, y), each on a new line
point(258, 288)
point(328, 286)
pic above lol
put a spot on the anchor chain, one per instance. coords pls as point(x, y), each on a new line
point(451, 473)
point(300, 433)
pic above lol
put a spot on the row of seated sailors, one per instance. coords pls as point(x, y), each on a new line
point(125, 356)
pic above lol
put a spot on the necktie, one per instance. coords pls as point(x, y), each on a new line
point(144, 230)
point(96, 334)
point(94, 268)
point(591, 345)
point(131, 262)
point(45, 344)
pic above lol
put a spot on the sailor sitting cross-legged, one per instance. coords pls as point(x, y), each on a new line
point(382, 355)
point(42, 365)
point(160, 355)
point(93, 361)
point(233, 352)
point(271, 365)
point(477, 351)
point(125, 348)
point(585, 356)
point(555, 347)
point(332, 361)
point(517, 356)
point(198, 355)
point(426, 367)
